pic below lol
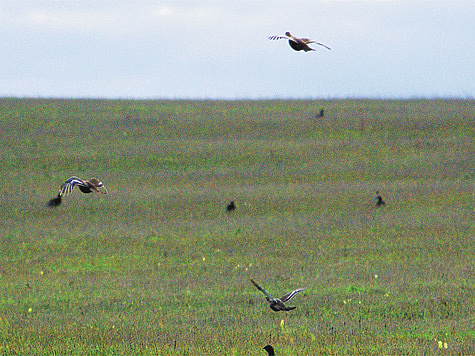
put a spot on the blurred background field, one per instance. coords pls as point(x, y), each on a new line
point(158, 267)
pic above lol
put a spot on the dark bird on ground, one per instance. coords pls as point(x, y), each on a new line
point(379, 200)
point(298, 44)
point(270, 350)
point(230, 207)
point(85, 186)
point(277, 304)
point(321, 113)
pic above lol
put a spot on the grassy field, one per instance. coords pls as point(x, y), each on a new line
point(157, 267)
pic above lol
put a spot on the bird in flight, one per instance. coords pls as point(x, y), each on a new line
point(277, 304)
point(230, 207)
point(379, 200)
point(270, 350)
point(298, 44)
point(85, 186)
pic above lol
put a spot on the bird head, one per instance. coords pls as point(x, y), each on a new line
point(288, 34)
point(98, 184)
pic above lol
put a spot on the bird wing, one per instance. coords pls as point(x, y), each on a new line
point(68, 186)
point(307, 41)
point(266, 293)
point(278, 38)
point(290, 295)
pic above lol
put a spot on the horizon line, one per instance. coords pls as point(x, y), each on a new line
point(276, 98)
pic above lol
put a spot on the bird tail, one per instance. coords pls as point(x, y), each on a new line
point(56, 201)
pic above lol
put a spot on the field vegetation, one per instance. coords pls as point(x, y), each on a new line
point(158, 267)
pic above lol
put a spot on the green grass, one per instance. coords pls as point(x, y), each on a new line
point(158, 268)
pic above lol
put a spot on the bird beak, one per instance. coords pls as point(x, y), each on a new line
point(106, 192)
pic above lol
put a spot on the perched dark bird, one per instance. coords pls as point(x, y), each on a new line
point(270, 350)
point(230, 207)
point(298, 44)
point(379, 200)
point(277, 304)
point(85, 186)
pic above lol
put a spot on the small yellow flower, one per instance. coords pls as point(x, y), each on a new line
point(445, 345)
point(204, 258)
point(30, 310)
point(440, 344)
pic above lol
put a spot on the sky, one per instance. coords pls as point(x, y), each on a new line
point(220, 49)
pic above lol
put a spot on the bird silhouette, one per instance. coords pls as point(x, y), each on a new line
point(85, 186)
point(298, 44)
point(379, 200)
point(270, 350)
point(230, 207)
point(277, 304)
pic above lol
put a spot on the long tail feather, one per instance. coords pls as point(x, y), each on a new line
point(56, 201)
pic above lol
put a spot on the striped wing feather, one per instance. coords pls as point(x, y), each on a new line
point(278, 38)
point(68, 186)
point(290, 295)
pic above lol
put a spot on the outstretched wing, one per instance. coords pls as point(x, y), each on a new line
point(278, 38)
point(307, 40)
point(266, 293)
point(290, 295)
point(68, 186)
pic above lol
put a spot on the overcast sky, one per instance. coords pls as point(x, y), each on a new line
point(219, 49)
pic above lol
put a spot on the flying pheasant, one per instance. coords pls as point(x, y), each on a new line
point(85, 186)
point(230, 207)
point(270, 350)
point(298, 44)
point(379, 200)
point(277, 304)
